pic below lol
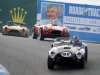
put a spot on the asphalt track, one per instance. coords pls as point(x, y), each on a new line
point(27, 56)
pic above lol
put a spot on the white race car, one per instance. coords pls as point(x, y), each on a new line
point(63, 52)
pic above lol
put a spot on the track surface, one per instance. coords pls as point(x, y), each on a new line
point(27, 56)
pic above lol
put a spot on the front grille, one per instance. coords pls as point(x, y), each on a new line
point(55, 32)
point(60, 56)
point(66, 47)
point(60, 60)
point(13, 31)
point(65, 60)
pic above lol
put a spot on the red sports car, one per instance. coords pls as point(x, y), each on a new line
point(49, 31)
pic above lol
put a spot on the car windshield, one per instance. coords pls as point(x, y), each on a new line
point(54, 22)
point(15, 24)
point(59, 39)
point(62, 41)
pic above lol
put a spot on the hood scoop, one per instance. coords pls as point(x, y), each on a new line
point(66, 47)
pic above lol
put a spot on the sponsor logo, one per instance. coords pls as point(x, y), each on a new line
point(71, 27)
point(96, 30)
point(76, 10)
point(18, 14)
point(85, 28)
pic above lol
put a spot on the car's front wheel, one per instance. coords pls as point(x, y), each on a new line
point(2, 32)
point(50, 63)
point(34, 34)
point(41, 35)
point(82, 63)
point(27, 35)
point(68, 34)
point(86, 53)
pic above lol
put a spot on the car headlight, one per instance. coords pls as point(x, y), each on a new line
point(79, 55)
point(6, 28)
point(52, 54)
point(66, 54)
point(23, 29)
point(66, 30)
point(46, 28)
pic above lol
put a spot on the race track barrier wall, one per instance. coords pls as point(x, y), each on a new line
point(82, 20)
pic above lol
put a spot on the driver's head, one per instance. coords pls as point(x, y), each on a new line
point(21, 24)
point(53, 22)
point(75, 39)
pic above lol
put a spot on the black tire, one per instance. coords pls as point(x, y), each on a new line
point(82, 63)
point(86, 53)
point(34, 34)
point(2, 33)
point(41, 35)
point(68, 34)
point(50, 63)
point(27, 35)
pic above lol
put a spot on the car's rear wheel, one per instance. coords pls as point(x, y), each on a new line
point(34, 34)
point(41, 35)
point(50, 63)
point(86, 53)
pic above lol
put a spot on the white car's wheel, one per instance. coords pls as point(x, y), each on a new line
point(86, 53)
point(2, 33)
point(82, 63)
point(50, 63)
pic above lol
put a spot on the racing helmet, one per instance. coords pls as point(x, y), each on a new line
point(75, 39)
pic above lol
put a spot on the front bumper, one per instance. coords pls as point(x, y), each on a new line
point(65, 60)
point(55, 33)
point(14, 33)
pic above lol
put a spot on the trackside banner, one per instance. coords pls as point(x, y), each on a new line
point(82, 20)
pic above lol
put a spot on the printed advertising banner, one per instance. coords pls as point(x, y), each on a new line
point(82, 20)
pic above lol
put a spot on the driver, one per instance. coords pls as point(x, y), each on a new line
point(75, 41)
point(21, 24)
point(54, 22)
